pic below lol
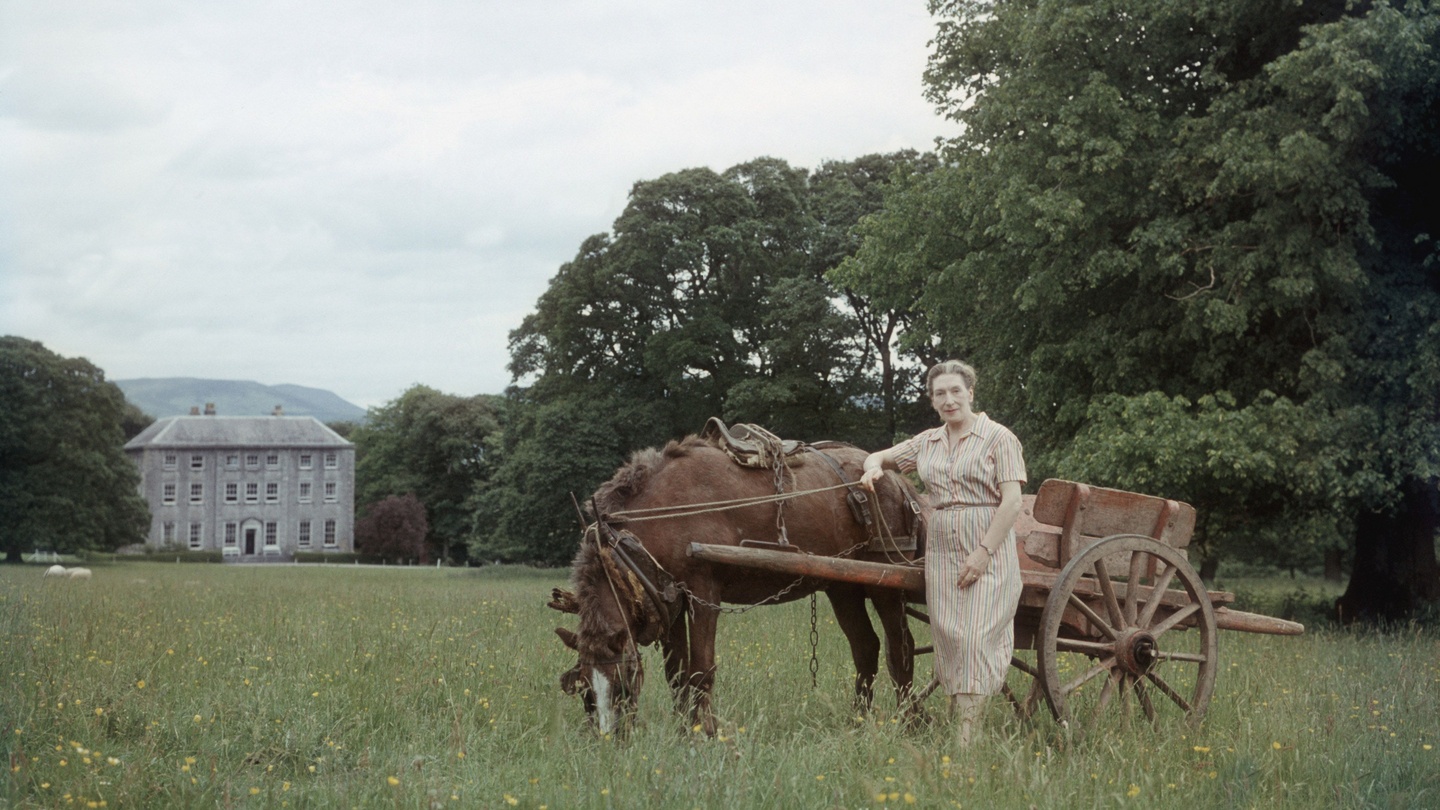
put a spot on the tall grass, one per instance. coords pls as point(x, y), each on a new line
point(202, 686)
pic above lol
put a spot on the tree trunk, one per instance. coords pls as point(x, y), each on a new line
point(1395, 571)
point(1209, 567)
point(13, 556)
point(1334, 565)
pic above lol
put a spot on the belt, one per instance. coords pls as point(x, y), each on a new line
point(955, 507)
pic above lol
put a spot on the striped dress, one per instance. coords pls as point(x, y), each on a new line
point(974, 627)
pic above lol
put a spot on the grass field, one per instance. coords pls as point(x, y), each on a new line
point(201, 686)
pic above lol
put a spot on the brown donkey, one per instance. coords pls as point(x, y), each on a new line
point(635, 585)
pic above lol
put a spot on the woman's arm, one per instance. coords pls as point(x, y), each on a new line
point(875, 466)
point(977, 561)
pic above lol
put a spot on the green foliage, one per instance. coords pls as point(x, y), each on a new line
point(1266, 479)
point(432, 445)
point(1180, 222)
point(551, 452)
point(65, 483)
point(709, 298)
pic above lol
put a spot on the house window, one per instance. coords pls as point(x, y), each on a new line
point(194, 535)
point(233, 460)
point(330, 534)
point(232, 534)
point(304, 492)
point(329, 491)
point(272, 492)
point(232, 492)
point(167, 533)
point(332, 461)
point(252, 459)
point(197, 493)
point(169, 494)
point(307, 461)
point(303, 538)
point(170, 461)
point(252, 492)
point(272, 460)
point(197, 462)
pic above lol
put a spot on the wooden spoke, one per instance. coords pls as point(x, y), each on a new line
point(1157, 595)
point(1095, 648)
point(1112, 605)
point(1103, 666)
point(1107, 692)
point(1089, 612)
point(1169, 691)
point(1023, 666)
point(1132, 587)
point(1144, 697)
point(1175, 618)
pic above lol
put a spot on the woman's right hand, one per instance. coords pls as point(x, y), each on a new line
point(870, 476)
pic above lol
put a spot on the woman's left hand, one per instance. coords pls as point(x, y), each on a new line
point(976, 564)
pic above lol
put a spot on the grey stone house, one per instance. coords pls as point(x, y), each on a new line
point(253, 487)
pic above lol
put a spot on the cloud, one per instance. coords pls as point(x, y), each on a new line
point(365, 195)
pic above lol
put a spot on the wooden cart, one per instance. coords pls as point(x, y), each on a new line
point(1108, 603)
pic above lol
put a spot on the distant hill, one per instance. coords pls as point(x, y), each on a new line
point(175, 396)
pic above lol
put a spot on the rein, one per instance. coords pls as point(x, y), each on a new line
point(641, 515)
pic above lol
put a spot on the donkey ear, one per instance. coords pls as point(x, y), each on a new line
point(568, 636)
point(564, 601)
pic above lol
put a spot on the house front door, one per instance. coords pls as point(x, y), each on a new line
point(250, 541)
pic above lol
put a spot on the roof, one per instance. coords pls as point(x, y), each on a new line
point(237, 431)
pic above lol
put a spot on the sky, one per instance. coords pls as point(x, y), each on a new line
point(362, 196)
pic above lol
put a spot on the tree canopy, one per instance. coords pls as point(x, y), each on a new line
point(709, 297)
point(65, 483)
point(430, 445)
point(1188, 245)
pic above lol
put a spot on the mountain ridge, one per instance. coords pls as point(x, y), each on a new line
point(175, 396)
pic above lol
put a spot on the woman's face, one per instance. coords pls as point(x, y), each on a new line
point(951, 398)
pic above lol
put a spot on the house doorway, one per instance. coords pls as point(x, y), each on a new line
point(250, 538)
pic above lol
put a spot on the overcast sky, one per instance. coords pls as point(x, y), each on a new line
point(361, 196)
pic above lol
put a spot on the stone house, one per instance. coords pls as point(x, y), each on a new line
point(253, 487)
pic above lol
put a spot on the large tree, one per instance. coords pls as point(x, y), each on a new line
point(432, 445)
point(710, 296)
point(1189, 246)
point(65, 483)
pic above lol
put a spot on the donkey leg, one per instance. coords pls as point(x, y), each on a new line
point(848, 602)
point(899, 643)
point(675, 646)
point(700, 675)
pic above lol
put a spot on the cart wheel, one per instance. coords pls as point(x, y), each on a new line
point(1100, 639)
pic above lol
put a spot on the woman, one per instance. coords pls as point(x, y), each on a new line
point(973, 469)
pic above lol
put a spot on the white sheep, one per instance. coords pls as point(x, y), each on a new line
point(56, 571)
point(78, 573)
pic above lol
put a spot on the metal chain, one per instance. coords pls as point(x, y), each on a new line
point(814, 643)
point(735, 611)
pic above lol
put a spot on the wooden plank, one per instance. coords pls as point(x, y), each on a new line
point(1114, 511)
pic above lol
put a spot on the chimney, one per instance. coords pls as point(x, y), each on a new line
point(209, 409)
point(194, 410)
point(279, 411)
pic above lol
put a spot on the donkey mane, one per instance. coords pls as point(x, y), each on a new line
point(629, 480)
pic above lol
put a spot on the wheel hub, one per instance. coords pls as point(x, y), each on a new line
point(1137, 651)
